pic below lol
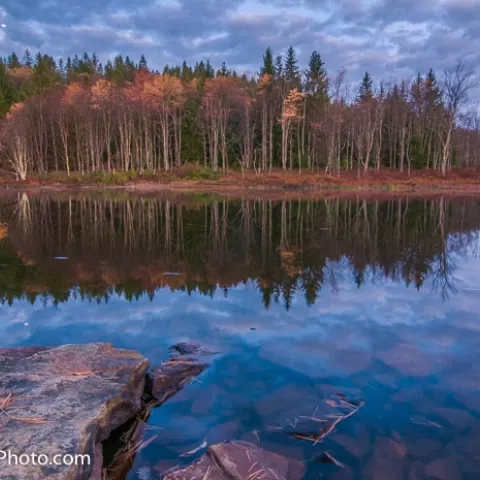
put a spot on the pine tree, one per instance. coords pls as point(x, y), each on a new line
point(432, 92)
point(291, 70)
point(268, 66)
point(223, 70)
point(279, 66)
point(13, 61)
point(209, 70)
point(27, 58)
point(365, 91)
point(316, 77)
point(142, 64)
point(7, 91)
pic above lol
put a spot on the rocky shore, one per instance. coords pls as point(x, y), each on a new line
point(78, 412)
point(57, 405)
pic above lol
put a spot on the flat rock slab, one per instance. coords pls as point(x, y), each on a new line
point(240, 461)
point(65, 401)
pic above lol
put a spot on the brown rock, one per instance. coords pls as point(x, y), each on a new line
point(72, 397)
point(173, 375)
point(387, 461)
point(238, 461)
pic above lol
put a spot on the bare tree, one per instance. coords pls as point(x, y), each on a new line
point(457, 81)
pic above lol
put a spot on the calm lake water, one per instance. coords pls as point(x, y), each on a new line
point(376, 300)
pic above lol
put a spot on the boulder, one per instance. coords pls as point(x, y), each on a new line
point(64, 401)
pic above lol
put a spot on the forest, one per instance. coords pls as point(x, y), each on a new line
point(123, 245)
point(79, 117)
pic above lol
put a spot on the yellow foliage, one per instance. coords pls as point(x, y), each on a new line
point(3, 231)
point(292, 103)
point(101, 89)
point(165, 90)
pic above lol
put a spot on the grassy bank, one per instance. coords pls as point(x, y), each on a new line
point(194, 178)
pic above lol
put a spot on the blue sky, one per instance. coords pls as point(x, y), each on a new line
point(386, 37)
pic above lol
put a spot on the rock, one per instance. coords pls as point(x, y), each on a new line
point(19, 352)
point(169, 378)
point(65, 401)
point(238, 461)
point(184, 348)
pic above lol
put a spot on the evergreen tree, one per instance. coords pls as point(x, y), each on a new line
point(27, 58)
point(365, 91)
point(432, 92)
point(279, 66)
point(316, 77)
point(7, 91)
point(209, 70)
point(13, 61)
point(186, 72)
point(268, 66)
point(142, 64)
point(223, 70)
point(291, 69)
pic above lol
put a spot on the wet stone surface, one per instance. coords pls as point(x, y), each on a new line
point(65, 401)
point(239, 461)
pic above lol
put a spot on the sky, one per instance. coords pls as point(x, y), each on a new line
point(385, 37)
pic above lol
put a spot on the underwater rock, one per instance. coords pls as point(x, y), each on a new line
point(56, 403)
point(184, 348)
point(170, 377)
point(239, 461)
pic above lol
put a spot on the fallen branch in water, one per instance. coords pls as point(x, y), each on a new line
point(195, 450)
point(327, 458)
point(325, 431)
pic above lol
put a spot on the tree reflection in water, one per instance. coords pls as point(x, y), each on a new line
point(132, 245)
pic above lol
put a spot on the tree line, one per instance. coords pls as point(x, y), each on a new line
point(286, 248)
point(80, 116)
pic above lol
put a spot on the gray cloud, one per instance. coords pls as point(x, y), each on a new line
point(385, 37)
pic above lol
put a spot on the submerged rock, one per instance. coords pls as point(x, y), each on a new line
point(240, 461)
point(184, 348)
point(61, 402)
point(169, 378)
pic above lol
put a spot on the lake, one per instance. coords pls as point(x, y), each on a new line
point(377, 300)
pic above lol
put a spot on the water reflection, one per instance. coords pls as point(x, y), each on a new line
point(376, 299)
point(92, 246)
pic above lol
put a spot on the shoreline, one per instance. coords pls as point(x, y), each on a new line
point(278, 184)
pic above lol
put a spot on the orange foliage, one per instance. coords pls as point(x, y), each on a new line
point(292, 104)
point(73, 93)
point(15, 110)
point(162, 91)
point(264, 81)
point(101, 90)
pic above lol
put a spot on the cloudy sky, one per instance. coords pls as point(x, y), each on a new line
point(385, 37)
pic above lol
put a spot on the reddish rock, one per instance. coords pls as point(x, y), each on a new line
point(387, 461)
point(239, 461)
